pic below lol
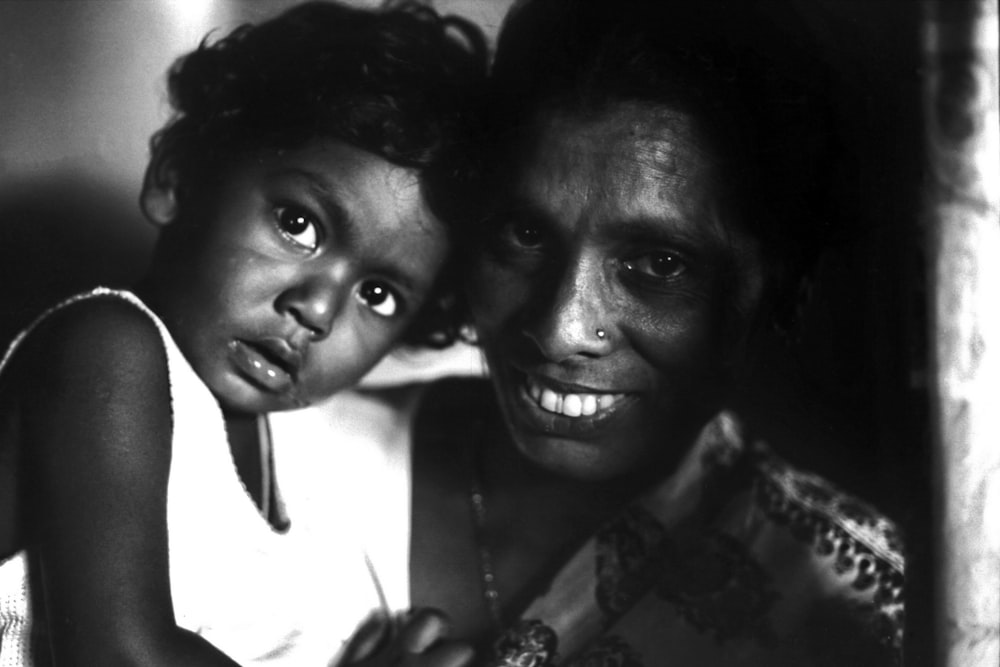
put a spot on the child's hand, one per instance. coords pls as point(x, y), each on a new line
point(416, 639)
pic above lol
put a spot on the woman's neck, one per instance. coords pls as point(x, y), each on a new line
point(510, 478)
point(519, 490)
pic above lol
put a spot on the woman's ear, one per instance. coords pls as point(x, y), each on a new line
point(159, 192)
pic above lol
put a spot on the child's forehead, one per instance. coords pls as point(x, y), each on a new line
point(371, 207)
point(336, 169)
point(326, 153)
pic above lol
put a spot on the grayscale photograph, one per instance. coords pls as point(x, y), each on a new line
point(499, 333)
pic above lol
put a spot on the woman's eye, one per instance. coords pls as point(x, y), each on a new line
point(298, 227)
point(526, 234)
point(660, 265)
point(379, 297)
point(515, 233)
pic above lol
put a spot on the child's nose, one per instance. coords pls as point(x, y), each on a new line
point(314, 304)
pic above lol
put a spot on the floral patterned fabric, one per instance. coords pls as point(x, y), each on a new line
point(738, 559)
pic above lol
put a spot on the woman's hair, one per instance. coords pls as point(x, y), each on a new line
point(757, 102)
point(401, 82)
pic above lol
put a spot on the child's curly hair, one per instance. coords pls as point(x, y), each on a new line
point(401, 82)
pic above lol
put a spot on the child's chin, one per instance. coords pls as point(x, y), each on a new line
point(244, 397)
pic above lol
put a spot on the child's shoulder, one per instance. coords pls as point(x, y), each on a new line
point(94, 323)
point(101, 341)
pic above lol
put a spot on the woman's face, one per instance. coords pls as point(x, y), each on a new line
point(605, 297)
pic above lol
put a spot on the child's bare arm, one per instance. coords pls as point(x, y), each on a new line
point(97, 429)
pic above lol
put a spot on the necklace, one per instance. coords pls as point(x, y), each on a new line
point(487, 573)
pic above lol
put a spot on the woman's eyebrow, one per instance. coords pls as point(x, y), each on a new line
point(521, 206)
point(666, 230)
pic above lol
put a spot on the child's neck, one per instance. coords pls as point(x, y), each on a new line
point(251, 450)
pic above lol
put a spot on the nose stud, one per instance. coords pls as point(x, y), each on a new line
point(601, 333)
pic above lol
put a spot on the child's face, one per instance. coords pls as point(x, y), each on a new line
point(306, 271)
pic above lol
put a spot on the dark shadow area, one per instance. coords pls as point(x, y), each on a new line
point(847, 395)
point(60, 233)
point(844, 393)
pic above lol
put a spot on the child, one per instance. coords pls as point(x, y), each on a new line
point(299, 243)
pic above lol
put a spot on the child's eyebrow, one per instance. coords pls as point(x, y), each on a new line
point(326, 197)
point(401, 277)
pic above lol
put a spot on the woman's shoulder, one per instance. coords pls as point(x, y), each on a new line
point(847, 548)
point(820, 512)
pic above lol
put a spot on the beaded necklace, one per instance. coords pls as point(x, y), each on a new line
point(487, 571)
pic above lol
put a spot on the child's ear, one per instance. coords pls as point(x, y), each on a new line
point(159, 192)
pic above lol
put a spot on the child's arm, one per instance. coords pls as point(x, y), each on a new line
point(97, 434)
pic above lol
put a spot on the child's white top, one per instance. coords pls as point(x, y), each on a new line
point(259, 595)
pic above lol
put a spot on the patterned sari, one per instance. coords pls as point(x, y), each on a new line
point(738, 559)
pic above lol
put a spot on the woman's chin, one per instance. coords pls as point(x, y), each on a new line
point(590, 460)
point(592, 448)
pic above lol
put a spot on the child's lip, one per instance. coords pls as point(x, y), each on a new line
point(269, 363)
point(284, 354)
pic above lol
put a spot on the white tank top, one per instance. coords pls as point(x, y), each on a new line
point(259, 595)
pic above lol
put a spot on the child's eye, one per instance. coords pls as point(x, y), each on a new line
point(379, 297)
point(660, 265)
point(297, 226)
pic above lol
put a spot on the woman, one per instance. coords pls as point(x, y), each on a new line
point(605, 503)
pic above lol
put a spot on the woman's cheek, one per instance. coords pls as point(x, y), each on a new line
point(678, 335)
point(495, 293)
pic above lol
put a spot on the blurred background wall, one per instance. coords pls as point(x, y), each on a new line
point(82, 89)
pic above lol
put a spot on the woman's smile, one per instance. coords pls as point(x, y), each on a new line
point(545, 406)
point(572, 404)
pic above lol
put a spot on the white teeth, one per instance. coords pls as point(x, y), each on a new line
point(549, 400)
point(536, 391)
point(570, 405)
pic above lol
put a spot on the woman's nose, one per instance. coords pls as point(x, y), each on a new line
point(577, 320)
point(315, 302)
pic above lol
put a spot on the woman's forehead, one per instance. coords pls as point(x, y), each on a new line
point(629, 136)
point(628, 169)
point(626, 156)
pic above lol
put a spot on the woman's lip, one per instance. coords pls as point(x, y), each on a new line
point(262, 365)
point(533, 417)
point(566, 387)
